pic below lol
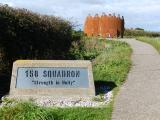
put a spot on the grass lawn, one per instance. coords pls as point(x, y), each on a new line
point(155, 42)
point(110, 68)
point(29, 111)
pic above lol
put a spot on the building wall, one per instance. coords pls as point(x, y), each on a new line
point(104, 25)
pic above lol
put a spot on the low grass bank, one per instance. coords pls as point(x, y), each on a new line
point(110, 68)
point(155, 42)
point(113, 64)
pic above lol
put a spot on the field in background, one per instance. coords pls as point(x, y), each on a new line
point(154, 41)
point(137, 33)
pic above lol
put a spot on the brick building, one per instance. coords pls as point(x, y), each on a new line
point(104, 25)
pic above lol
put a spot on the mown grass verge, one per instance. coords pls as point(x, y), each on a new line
point(155, 42)
point(110, 68)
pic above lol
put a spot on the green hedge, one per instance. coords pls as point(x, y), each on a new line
point(27, 35)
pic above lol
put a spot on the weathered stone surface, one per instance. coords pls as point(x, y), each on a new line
point(36, 78)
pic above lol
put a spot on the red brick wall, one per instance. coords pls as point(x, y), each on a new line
point(104, 26)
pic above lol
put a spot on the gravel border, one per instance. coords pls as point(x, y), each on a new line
point(48, 101)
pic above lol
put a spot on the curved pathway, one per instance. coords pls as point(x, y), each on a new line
point(139, 97)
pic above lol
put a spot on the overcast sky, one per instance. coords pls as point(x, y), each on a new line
point(138, 13)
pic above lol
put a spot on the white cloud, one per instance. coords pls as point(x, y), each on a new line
point(137, 13)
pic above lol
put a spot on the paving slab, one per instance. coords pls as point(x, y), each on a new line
point(139, 96)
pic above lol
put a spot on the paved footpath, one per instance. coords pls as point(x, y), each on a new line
point(139, 97)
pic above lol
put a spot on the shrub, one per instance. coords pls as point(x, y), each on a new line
point(27, 35)
point(86, 48)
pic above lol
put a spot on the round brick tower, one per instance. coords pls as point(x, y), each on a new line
point(104, 25)
point(96, 22)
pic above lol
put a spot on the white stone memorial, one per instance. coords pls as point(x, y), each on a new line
point(57, 78)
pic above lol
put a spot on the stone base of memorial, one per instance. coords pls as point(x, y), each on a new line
point(52, 78)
